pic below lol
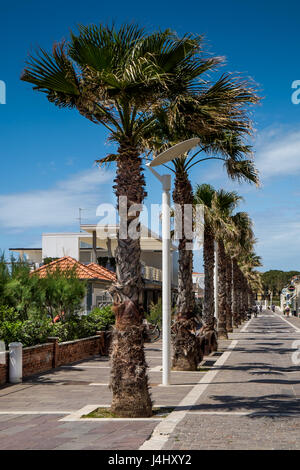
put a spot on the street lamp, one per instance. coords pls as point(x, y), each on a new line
point(165, 157)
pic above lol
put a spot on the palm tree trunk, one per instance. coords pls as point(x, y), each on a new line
point(222, 333)
point(236, 293)
point(209, 262)
point(211, 343)
point(229, 294)
point(242, 296)
point(185, 344)
point(129, 380)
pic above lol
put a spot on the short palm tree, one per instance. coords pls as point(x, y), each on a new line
point(118, 78)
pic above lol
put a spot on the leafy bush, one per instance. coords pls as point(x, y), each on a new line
point(74, 328)
point(155, 313)
point(27, 332)
point(37, 331)
point(101, 318)
point(8, 314)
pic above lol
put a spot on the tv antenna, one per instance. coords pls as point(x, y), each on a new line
point(80, 218)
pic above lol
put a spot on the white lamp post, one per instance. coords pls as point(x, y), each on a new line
point(166, 156)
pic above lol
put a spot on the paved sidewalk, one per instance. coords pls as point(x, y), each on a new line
point(250, 400)
point(31, 412)
point(254, 400)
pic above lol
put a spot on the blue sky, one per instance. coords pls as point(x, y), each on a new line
point(47, 155)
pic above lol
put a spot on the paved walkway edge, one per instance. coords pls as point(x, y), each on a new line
point(162, 432)
point(291, 324)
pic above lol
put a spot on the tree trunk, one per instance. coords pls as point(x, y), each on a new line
point(236, 293)
point(222, 332)
point(243, 289)
point(229, 294)
point(185, 343)
point(209, 262)
point(129, 380)
point(211, 343)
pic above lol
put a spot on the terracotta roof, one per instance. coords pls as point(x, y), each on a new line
point(82, 271)
point(104, 272)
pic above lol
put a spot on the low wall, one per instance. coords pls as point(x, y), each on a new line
point(44, 357)
point(3, 367)
point(37, 359)
point(72, 351)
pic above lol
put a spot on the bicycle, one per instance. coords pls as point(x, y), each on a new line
point(151, 333)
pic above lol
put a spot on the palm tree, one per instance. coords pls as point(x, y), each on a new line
point(230, 149)
point(225, 202)
point(217, 114)
point(218, 205)
point(252, 277)
point(242, 244)
point(118, 78)
point(229, 324)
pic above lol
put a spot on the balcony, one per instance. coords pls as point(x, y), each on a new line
point(152, 274)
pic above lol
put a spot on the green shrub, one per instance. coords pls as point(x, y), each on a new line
point(101, 318)
point(74, 328)
point(8, 314)
point(37, 331)
point(155, 314)
point(27, 332)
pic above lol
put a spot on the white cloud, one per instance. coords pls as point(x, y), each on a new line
point(58, 205)
point(278, 153)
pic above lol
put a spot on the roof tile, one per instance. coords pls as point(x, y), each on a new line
point(90, 271)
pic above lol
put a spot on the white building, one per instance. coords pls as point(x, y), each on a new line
point(198, 284)
point(96, 243)
point(290, 296)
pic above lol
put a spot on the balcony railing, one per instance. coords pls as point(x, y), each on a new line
point(152, 274)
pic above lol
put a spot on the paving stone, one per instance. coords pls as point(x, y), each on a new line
point(258, 377)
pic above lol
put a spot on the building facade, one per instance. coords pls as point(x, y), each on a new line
point(97, 244)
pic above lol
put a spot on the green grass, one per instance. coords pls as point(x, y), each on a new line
point(161, 412)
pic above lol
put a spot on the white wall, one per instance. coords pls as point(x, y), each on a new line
point(57, 245)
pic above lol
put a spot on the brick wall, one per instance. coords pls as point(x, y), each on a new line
point(72, 351)
point(43, 357)
point(3, 368)
point(37, 358)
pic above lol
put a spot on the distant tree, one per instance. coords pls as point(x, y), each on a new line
point(275, 280)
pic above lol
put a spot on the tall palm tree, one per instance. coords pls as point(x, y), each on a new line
point(218, 116)
point(118, 78)
point(217, 142)
point(229, 324)
point(242, 244)
point(225, 202)
point(218, 205)
point(253, 282)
